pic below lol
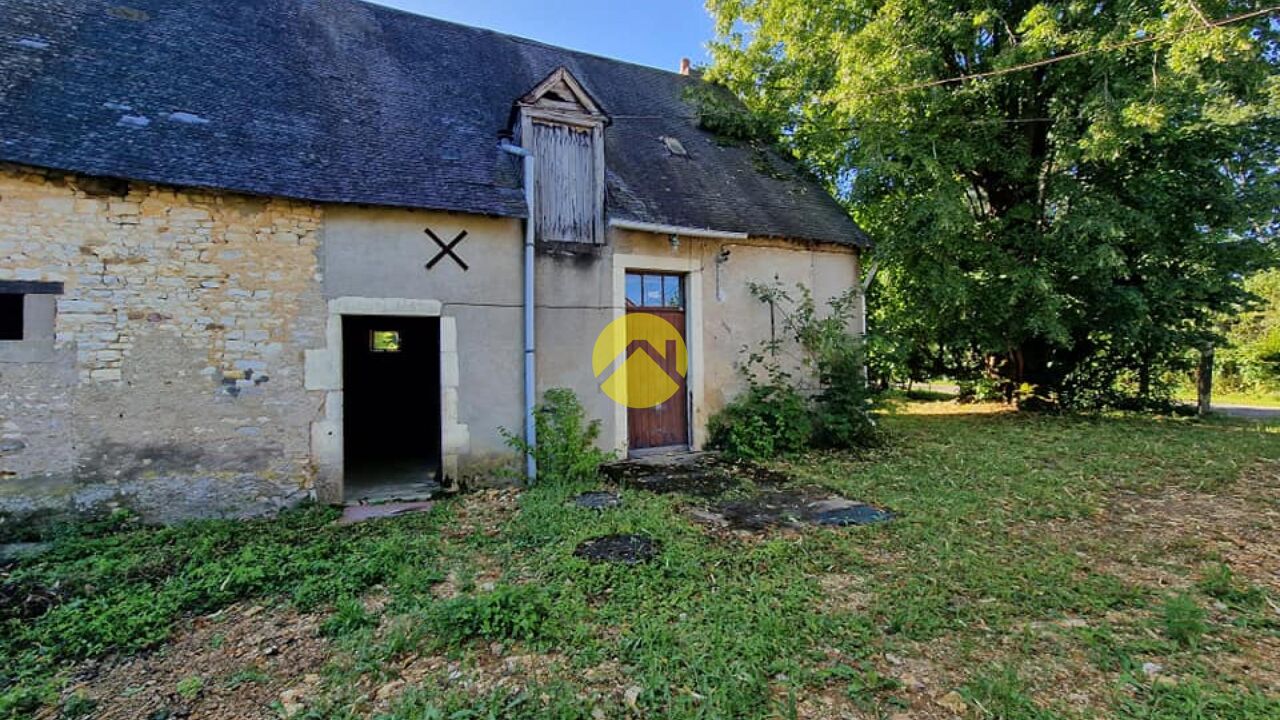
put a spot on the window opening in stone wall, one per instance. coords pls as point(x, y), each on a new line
point(11, 307)
point(384, 341)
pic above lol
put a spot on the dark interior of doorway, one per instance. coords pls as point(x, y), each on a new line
point(391, 408)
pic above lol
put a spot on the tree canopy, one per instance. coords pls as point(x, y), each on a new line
point(1066, 194)
point(1251, 362)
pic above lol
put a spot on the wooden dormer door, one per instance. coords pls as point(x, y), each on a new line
point(665, 425)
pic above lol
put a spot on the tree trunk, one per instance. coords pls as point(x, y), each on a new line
point(1034, 363)
point(1204, 382)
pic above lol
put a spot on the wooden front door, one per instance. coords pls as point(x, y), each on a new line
point(666, 424)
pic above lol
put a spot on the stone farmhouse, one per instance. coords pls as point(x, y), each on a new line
point(258, 252)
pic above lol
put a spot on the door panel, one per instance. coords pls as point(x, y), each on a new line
point(666, 424)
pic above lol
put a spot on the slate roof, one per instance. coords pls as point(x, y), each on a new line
point(347, 102)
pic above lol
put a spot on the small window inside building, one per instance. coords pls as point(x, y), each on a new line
point(11, 316)
point(671, 291)
point(655, 291)
point(634, 295)
point(384, 341)
point(652, 290)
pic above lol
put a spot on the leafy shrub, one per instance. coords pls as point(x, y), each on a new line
point(769, 419)
point(843, 403)
point(1184, 620)
point(1250, 362)
point(566, 450)
point(980, 390)
point(78, 706)
point(24, 699)
point(509, 612)
point(776, 416)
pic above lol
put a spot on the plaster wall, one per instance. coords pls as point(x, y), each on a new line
point(375, 252)
point(190, 366)
point(731, 317)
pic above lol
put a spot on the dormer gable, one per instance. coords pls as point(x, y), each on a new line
point(563, 127)
point(561, 94)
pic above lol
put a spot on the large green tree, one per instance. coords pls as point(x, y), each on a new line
point(1251, 360)
point(1076, 211)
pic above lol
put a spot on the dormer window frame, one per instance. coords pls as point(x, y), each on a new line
point(546, 105)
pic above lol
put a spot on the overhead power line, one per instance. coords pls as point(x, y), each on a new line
point(1209, 25)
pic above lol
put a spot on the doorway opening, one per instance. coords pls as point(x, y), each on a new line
point(665, 426)
point(391, 408)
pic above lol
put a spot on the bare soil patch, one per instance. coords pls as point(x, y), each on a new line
point(1160, 540)
point(843, 592)
point(490, 668)
point(244, 657)
point(485, 512)
point(1167, 541)
point(1257, 662)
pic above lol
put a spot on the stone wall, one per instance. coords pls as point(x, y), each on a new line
point(174, 377)
point(175, 386)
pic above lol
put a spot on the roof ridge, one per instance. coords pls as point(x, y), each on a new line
point(355, 102)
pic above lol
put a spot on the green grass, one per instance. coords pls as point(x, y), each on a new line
point(123, 591)
point(189, 688)
point(1256, 399)
point(996, 531)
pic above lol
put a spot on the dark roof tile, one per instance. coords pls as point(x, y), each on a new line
point(343, 101)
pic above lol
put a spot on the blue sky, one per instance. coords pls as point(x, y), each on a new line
point(649, 32)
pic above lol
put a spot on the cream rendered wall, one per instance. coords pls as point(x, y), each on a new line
point(731, 317)
point(381, 253)
point(574, 297)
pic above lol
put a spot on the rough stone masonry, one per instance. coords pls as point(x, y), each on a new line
point(174, 380)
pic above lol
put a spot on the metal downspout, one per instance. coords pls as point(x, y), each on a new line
point(530, 367)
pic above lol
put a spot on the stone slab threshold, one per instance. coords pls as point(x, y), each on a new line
point(352, 514)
